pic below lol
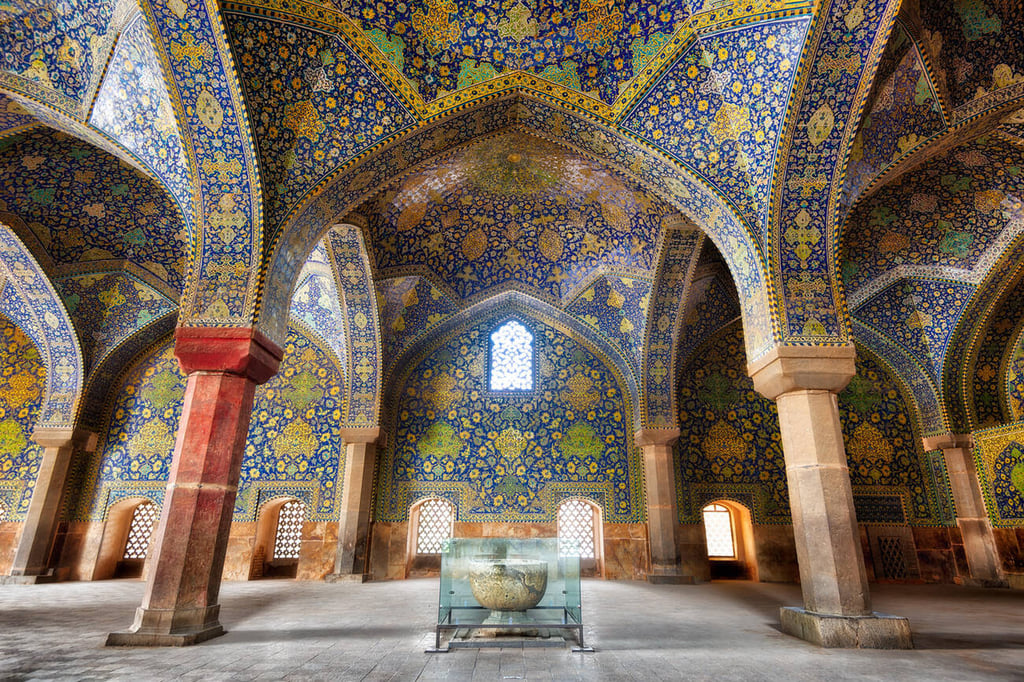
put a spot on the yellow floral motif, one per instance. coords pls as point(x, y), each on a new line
point(730, 122)
point(296, 441)
point(444, 393)
point(510, 443)
point(601, 25)
point(154, 441)
point(303, 120)
point(474, 244)
point(869, 445)
point(551, 244)
point(581, 394)
point(723, 442)
point(616, 217)
point(20, 389)
point(436, 27)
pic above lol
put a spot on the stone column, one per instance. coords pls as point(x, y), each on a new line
point(356, 498)
point(971, 516)
point(662, 512)
point(32, 559)
point(804, 381)
point(224, 366)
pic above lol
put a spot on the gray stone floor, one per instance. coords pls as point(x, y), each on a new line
point(378, 631)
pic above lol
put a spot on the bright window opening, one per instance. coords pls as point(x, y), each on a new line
point(434, 527)
point(718, 530)
point(140, 532)
point(576, 529)
point(511, 358)
point(289, 530)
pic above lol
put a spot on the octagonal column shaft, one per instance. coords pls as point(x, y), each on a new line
point(662, 510)
point(971, 516)
point(32, 559)
point(224, 366)
point(804, 382)
point(356, 500)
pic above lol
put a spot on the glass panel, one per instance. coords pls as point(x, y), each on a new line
point(576, 529)
point(718, 530)
point(435, 526)
point(512, 358)
point(141, 530)
point(289, 530)
point(474, 572)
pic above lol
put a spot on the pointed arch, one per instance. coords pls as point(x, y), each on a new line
point(837, 68)
point(336, 196)
point(679, 252)
point(28, 298)
point(499, 308)
point(196, 59)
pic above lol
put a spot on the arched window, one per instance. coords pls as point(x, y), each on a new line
point(433, 518)
point(718, 529)
point(289, 530)
point(140, 531)
point(511, 358)
point(576, 534)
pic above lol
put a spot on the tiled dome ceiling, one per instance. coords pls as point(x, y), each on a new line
point(514, 211)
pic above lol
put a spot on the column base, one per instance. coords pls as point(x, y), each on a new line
point(670, 579)
point(877, 631)
point(981, 582)
point(170, 627)
point(347, 578)
point(29, 579)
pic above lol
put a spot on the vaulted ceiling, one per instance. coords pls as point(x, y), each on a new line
point(101, 179)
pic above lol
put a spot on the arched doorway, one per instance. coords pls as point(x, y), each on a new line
point(126, 539)
point(730, 541)
point(431, 521)
point(278, 539)
point(579, 532)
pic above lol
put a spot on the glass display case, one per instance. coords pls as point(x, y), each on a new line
point(507, 592)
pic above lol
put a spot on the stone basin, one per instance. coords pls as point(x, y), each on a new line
point(508, 584)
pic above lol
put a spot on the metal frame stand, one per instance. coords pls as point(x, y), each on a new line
point(568, 622)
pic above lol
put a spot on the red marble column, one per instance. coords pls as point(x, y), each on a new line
point(224, 366)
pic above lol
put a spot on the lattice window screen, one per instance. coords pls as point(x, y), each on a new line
point(289, 530)
point(576, 529)
point(3, 511)
point(435, 526)
point(894, 563)
point(141, 530)
point(511, 358)
point(718, 531)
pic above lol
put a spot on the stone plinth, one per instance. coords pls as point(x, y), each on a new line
point(876, 631)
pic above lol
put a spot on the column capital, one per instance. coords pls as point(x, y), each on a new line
point(656, 437)
point(808, 368)
point(945, 441)
point(244, 351)
point(360, 435)
point(60, 438)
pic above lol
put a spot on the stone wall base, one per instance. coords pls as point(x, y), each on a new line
point(877, 631)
